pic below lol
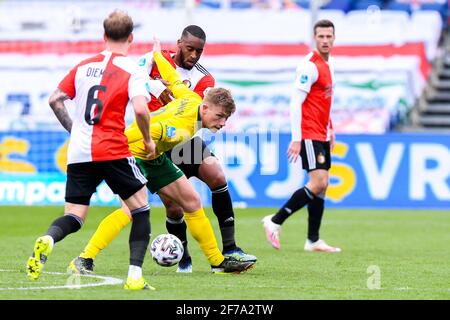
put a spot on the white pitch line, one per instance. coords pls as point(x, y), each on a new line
point(421, 289)
point(107, 281)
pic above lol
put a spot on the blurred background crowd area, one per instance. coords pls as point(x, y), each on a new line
point(391, 61)
point(344, 5)
point(391, 100)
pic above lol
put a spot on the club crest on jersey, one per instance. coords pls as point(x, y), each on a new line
point(187, 83)
point(320, 158)
point(170, 131)
point(304, 78)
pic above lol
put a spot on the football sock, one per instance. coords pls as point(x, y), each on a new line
point(134, 272)
point(177, 227)
point(139, 235)
point(223, 209)
point(202, 231)
point(298, 200)
point(106, 232)
point(63, 226)
point(315, 213)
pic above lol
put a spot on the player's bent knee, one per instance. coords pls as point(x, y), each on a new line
point(211, 173)
point(137, 200)
point(192, 203)
point(174, 212)
point(216, 180)
point(323, 186)
point(125, 209)
point(318, 187)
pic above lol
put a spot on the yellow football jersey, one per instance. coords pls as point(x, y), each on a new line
point(176, 122)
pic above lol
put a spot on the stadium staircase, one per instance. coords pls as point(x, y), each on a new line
point(433, 108)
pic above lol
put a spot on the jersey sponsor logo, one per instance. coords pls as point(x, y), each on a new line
point(181, 107)
point(170, 131)
point(304, 78)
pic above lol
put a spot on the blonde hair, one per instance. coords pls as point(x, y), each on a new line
point(222, 98)
point(118, 26)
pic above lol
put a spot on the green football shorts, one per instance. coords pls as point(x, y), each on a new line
point(159, 172)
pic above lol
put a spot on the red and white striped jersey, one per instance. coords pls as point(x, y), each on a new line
point(315, 76)
point(197, 78)
point(100, 88)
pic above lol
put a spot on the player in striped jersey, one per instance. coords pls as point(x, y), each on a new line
point(172, 125)
point(312, 139)
point(185, 61)
point(201, 163)
point(101, 87)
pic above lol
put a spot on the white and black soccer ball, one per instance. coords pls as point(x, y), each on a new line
point(166, 250)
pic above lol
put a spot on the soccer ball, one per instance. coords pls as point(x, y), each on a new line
point(166, 250)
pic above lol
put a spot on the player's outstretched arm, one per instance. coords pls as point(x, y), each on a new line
point(170, 74)
point(167, 71)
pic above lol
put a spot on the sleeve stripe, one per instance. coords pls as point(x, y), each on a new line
point(202, 69)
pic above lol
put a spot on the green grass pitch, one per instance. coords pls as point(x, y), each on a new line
point(398, 254)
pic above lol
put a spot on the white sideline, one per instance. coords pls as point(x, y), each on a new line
point(107, 281)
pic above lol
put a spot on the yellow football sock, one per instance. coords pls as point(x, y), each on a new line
point(106, 232)
point(202, 231)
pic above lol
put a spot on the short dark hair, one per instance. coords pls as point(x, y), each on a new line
point(194, 30)
point(323, 24)
point(118, 26)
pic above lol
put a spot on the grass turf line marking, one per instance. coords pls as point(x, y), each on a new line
point(107, 281)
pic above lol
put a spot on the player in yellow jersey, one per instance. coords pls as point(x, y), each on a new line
point(194, 157)
point(176, 123)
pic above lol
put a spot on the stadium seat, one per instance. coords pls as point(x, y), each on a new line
point(344, 5)
point(210, 4)
point(362, 17)
point(426, 26)
point(373, 27)
point(364, 4)
point(335, 15)
point(442, 8)
point(302, 3)
point(241, 4)
point(400, 6)
point(426, 18)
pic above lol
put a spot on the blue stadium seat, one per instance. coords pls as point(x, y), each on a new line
point(211, 4)
point(302, 3)
point(394, 5)
point(168, 4)
point(241, 4)
point(442, 8)
point(344, 5)
point(364, 4)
